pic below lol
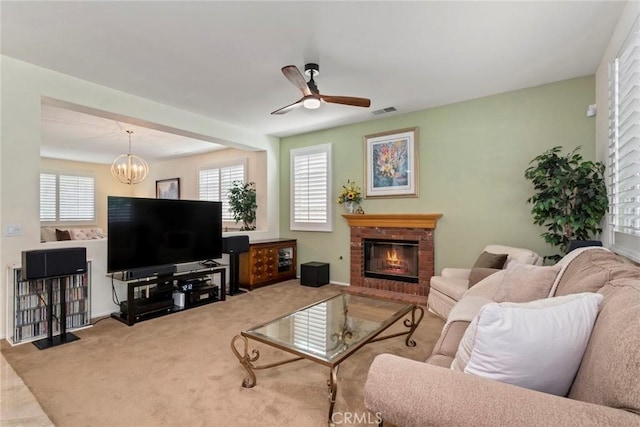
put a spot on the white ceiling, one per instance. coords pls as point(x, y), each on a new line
point(222, 59)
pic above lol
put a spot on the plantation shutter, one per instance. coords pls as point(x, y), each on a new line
point(209, 185)
point(310, 191)
point(227, 176)
point(76, 198)
point(214, 185)
point(624, 148)
point(48, 199)
point(310, 329)
point(67, 198)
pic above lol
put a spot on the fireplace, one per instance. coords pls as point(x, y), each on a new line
point(391, 259)
point(392, 255)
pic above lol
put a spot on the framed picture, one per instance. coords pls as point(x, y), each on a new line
point(168, 189)
point(391, 164)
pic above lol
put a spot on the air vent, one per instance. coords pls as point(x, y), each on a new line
point(384, 111)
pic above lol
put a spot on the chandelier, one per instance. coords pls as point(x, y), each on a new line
point(129, 168)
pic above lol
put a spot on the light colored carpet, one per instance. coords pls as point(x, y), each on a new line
point(179, 369)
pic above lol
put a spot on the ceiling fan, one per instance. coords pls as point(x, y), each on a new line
point(311, 96)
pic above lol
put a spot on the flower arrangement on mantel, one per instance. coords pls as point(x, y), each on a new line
point(350, 196)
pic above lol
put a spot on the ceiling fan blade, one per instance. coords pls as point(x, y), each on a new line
point(288, 108)
point(294, 75)
point(347, 100)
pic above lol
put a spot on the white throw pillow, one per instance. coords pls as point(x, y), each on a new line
point(537, 345)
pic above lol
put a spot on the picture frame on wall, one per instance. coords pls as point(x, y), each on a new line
point(391, 164)
point(168, 189)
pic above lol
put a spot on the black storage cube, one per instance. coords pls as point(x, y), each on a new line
point(314, 274)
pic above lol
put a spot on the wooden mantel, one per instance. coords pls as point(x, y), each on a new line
point(393, 220)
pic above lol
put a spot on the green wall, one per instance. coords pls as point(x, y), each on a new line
point(472, 156)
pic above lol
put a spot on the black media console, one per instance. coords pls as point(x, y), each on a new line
point(149, 297)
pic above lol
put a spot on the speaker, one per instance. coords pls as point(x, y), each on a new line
point(314, 274)
point(40, 264)
point(235, 244)
point(156, 270)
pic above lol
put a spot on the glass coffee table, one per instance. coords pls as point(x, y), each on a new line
point(327, 332)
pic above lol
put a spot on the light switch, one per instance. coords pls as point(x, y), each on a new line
point(13, 230)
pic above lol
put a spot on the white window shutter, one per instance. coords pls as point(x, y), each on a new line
point(76, 198)
point(214, 185)
point(624, 148)
point(66, 198)
point(310, 188)
point(48, 197)
point(209, 185)
point(228, 176)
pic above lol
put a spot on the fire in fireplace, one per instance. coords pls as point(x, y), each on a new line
point(391, 259)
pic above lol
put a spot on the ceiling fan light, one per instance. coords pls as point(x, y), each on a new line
point(311, 103)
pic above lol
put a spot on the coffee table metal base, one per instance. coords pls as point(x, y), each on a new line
point(247, 358)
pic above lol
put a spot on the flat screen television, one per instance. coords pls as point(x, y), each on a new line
point(152, 232)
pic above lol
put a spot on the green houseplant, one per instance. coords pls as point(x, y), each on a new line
point(242, 204)
point(570, 196)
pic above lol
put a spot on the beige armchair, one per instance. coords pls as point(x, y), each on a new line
point(448, 288)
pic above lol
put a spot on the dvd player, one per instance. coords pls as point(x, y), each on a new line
point(144, 307)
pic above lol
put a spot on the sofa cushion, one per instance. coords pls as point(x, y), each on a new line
point(453, 288)
point(86, 233)
point(62, 235)
point(525, 282)
point(48, 234)
point(521, 255)
point(489, 286)
point(591, 269)
point(609, 371)
point(536, 345)
point(490, 260)
point(477, 274)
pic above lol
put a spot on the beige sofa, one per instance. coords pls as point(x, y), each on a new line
point(56, 234)
point(605, 390)
point(447, 289)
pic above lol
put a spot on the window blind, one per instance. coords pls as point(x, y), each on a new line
point(209, 185)
point(48, 197)
point(214, 185)
point(624, 148)
point(310, 190)
point(76, 198)
point(67, 198)
point(227, 176)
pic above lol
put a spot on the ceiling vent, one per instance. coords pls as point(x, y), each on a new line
point(384, 111)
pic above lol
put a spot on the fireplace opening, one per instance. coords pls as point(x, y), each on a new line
point(391, 259)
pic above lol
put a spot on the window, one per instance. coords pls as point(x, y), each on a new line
point(66, 198)
point(214, 185)
point(624, 148)
point(310, 188)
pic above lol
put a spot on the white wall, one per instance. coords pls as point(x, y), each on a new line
point(629, 15)
point(23, 88)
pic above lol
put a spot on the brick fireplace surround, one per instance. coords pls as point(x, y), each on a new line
point(415, 227)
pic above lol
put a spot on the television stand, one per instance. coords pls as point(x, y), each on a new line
point(149, 297)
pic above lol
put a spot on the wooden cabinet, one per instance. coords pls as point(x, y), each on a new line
point(267, 262)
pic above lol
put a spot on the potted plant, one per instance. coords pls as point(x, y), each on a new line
point(242, 204)
point(570, 197)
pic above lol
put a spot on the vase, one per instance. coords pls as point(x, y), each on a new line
point(351, 207)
